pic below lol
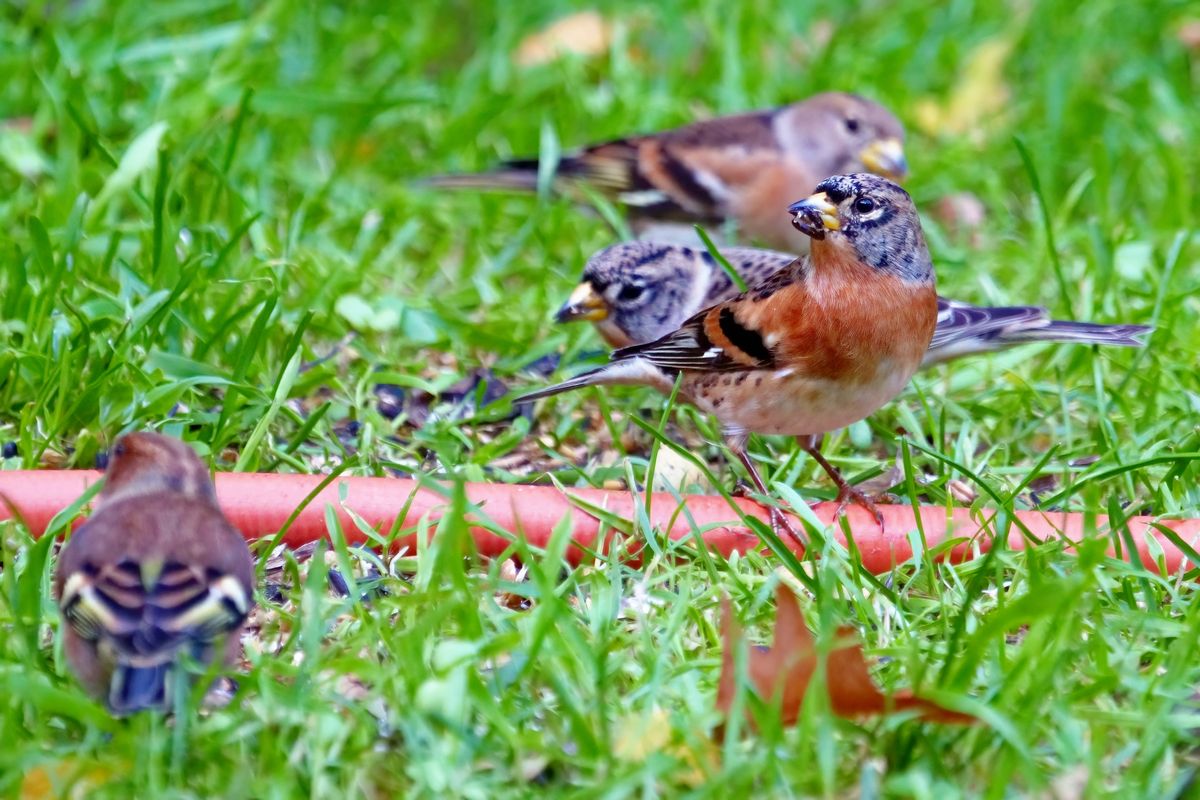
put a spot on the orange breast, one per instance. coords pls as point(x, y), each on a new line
point(849, 320)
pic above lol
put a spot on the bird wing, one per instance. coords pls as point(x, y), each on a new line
point(150, 608)
point(681, 174)
point(752, 264)
point(723, 338)
point(959, 321)
point(696, 169)
point(676, 174)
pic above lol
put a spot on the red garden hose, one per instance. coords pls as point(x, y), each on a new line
point(259, 504)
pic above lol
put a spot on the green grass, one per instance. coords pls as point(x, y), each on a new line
point(201, 198)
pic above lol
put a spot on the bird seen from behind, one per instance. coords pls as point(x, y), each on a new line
point(156, 578)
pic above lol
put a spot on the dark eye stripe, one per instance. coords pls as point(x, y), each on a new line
point(885, 214)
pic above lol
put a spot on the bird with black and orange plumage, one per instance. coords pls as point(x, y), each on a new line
point(636, 292)
point(821, 343)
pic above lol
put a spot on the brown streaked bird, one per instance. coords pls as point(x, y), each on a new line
point(821, 343)
point(744, 168)
point(155, 576)
point(639, 291)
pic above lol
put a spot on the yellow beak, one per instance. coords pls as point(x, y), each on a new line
point(815, 215)
point(885, 157)
point(583, 304)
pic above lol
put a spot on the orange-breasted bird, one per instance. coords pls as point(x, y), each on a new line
point(820, 344)
point(636, 292)
point(743, 168)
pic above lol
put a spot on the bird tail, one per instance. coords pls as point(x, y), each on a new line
point(630, 371)
point(610, 167)
point(514, 176)
point(140, 688)
point(1082, 333)
point(589, 378)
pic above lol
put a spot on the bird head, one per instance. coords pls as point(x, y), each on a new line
point(635, 291)
point(869, 216)
point(144, 462)
point(841, 133)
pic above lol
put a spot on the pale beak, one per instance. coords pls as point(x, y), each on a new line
point(815, 215)
point(886, 157)
point(583, 304)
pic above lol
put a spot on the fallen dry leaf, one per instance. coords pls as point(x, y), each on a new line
point(1188, 34)
point(963, 214)
point(979, 98)
point(68, 778)
point(639, 736)
point(962, 491)
point(510, 574)
point(585, 33)
point(813, 41)
point(787, 667)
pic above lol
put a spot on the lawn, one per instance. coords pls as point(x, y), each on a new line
point(211, 227)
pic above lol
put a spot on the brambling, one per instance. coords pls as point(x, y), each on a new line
point(743, 167)
point(819, 344)
point(157, 573)
point(639, 291)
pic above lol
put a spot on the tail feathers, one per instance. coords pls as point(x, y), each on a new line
point(630, 371)
point(610, 168)
point(989, 341)
point(590, 378)
point(1082, 333)
point(137, 688)
point(515, 177)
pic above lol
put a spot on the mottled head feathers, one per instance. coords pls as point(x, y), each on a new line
point(873, 216)
point(143, 463)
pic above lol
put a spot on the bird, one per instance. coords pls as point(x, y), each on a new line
point(156, 576)
point(636, 292)
point(742, 168)
point(819, 344)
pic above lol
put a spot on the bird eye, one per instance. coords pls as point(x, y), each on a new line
point(852, 125)
point(864, 204)
point(630, 291)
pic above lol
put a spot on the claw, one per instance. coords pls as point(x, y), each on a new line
point(848, 494)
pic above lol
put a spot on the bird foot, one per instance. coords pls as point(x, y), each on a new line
point(779, 520)
point(847, 494)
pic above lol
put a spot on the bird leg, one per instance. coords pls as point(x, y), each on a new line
point(846, 492)
point(779, 520)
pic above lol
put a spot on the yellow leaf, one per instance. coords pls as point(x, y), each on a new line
point(978, 100)
point(67, 778)
point(639, 736)
point(585, 33)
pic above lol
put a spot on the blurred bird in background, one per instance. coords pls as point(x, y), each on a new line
point(745, 168)
point(156, 576)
